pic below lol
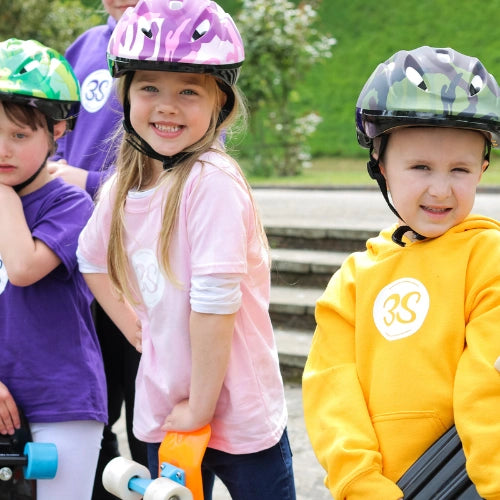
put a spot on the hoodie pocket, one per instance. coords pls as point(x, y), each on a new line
point(404, 436)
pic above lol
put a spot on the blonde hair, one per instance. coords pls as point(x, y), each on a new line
point(135, 170)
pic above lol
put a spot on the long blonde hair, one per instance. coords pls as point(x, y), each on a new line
point(134, 170)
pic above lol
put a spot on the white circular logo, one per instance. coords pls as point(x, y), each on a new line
point(95, 90)
point(400, 308)
point(149, 276)
point(4, 279)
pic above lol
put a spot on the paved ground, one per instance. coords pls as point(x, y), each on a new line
point(365, 209)
point(321, 208)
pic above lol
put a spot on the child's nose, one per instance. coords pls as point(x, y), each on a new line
point(5, 149)
point(168, 106)
point(440, 186)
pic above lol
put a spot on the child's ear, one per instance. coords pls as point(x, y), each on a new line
point(484, 166)
point(59, 129)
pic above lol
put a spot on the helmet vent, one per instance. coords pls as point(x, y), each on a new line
point(147, 32)
point(476, 85)
point(175, 5)
point(29, 67)
point(443, 56)
point(201, 30)
point(415, 77)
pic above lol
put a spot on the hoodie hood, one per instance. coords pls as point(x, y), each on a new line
point(383, 243)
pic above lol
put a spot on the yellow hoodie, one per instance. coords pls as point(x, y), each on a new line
point(405, 345)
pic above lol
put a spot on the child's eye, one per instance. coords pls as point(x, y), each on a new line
point(149, 88)
point(20, 135)
point(189, 92)
point(420, 167)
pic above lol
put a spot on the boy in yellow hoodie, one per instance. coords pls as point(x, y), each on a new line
point(408, 331)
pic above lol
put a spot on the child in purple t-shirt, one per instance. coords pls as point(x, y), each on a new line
point(50, 363)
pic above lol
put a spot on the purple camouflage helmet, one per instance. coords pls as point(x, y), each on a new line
point(177, 35)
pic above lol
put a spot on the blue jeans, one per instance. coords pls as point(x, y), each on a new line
point(266, 475)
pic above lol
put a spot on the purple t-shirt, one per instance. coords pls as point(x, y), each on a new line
point(50, 358)
point(88, 146)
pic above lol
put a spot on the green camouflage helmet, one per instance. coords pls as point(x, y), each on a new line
point(429, 87)
point(34, 75)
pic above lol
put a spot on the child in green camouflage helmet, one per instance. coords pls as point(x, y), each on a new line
point(406, 338)
point(51, 366)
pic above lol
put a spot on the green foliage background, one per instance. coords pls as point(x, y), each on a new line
point(367, 33)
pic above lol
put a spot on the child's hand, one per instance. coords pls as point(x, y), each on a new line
point(71, 175)
point(9, 415)
point(183, 419)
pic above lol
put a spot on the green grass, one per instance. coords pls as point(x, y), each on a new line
point(339, 171)
point(369, 32)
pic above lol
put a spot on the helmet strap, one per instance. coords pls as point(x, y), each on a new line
point(373, 167)
point(137, 142)
point(229, 104)
point(18, 187)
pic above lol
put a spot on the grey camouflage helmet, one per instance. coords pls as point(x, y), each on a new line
point(429, 87)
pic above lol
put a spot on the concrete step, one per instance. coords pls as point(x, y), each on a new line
point(318, 238)
point(304, 268)
point(293, 347)
point(293, 307)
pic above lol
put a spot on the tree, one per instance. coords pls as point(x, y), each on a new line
point(55, 23)
point(281, 45)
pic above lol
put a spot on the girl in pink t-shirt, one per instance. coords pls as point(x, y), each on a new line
point(176, 243)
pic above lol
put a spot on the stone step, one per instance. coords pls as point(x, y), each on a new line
point(318, 238)
point(293, 307)
point(293, 346)
point(304, 268)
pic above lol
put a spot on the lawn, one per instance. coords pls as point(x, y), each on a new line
point(336, 171)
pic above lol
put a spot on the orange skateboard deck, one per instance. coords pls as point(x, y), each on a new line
point(186, 450)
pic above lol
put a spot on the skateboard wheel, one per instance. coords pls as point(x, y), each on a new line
point(164, 488)
point(42, 460)
point(117, 474)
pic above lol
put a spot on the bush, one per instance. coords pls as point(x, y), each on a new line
point(281, 46)
point(55, 23)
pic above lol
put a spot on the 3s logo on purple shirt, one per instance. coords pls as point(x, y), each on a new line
point(95, 90)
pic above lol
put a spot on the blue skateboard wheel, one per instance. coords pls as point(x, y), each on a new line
point(42, 461)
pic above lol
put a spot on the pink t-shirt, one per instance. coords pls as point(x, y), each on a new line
point(216, 233)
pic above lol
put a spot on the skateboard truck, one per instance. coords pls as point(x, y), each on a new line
point(180, 456)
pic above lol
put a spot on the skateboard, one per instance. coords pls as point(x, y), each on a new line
point(179, 457)
point(22, 462)
point(440, 473)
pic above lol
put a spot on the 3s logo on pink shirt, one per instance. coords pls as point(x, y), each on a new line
point(149, 276)
point(400, 308)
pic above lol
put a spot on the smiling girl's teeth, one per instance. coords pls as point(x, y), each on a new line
point(164, 128)
point(437, 210)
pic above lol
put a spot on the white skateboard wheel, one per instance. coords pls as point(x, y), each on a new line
point(164, 488)
point(117, 474)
